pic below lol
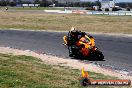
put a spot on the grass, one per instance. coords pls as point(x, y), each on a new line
point(63, 22)
point(29, 72)
point(35, 8)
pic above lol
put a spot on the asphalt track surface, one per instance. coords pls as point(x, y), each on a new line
point(117, 50)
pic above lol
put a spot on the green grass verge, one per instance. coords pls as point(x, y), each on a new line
point(29, 72)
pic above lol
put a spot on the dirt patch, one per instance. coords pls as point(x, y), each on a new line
point(74, 64)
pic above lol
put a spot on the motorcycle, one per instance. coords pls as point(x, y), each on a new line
point(85, 48)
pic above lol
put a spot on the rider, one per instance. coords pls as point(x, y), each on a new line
point(73, 36)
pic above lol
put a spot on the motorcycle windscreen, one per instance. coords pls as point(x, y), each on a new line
point(84, 40)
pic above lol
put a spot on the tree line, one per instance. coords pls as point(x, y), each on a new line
point(125, 5)
point(46, 3)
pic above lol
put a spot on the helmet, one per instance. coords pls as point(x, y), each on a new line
point(73, 29)
point(73, 32)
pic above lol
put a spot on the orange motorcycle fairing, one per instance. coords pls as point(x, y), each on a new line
point(85, 52)
point(86, 48)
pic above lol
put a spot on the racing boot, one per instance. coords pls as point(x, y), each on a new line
point(70, 52)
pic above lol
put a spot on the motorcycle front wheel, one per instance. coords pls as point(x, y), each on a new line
point(96, 55)
point(99, 55)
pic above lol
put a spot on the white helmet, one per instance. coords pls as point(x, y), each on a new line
point(73, 29)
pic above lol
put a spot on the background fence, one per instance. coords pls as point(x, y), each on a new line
point(118, 13)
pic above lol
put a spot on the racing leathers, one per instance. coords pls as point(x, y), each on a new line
point(73, 38)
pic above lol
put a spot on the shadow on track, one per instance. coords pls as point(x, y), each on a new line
point(88, 59)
